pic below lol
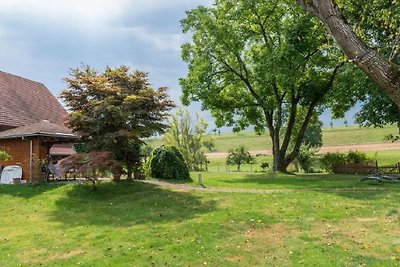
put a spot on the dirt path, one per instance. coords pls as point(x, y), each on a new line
point(187, 188)
point(326, 149)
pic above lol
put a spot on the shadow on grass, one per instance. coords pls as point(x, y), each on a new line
point(127, 203)
point(28, 190)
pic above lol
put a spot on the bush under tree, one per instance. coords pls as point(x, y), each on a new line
point(167, 162)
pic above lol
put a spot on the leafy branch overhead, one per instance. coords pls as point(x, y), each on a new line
point(368, 33)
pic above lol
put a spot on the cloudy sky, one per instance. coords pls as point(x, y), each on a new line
point(42, 39)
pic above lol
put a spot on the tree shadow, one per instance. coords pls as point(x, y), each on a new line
point(126, 204)
point(28, 190)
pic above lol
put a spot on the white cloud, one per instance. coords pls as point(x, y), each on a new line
point(160, 41)
point(85, 12)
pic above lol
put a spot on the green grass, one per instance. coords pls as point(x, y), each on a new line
point(135, 224)
point(286, 181)
point(331, 137)
point(389, 157)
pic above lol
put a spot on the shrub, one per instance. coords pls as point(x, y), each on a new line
point(330, 160)
point(166, 162)
point(4, 156)
point(264, 166)
point(357, 157)
point(306, 159)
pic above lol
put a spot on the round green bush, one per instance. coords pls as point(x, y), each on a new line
point(166, 162)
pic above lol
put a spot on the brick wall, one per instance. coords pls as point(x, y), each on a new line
point(19, 151)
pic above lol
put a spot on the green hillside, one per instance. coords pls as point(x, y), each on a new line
point(331, 137)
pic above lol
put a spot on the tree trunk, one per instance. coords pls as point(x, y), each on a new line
point(377, 68)
point(129, 172)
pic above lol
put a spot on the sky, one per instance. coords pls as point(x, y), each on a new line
point(42, 39)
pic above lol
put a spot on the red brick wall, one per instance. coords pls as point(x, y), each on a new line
point(19, 151)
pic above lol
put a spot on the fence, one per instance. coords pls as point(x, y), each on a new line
point(367, 168)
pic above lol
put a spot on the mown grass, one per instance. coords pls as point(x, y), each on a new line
point(389, 157)
point(287, 181)
point(331, 137)
point(135, 224)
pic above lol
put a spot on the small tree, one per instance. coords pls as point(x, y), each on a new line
point(188, 134)
point(238, 156)
point(114, 110)
point(91, 165)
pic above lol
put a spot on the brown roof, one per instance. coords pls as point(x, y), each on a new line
point(24, 101)
point(42, 128)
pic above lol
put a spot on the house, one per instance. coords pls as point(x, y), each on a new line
point(24, 102)
point(31, 123)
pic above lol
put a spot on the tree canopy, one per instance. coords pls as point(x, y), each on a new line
point(368, 33)
point(238, 156)
point(114, 110)
point(261, 63)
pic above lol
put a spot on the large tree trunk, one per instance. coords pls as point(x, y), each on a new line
point(374, 65)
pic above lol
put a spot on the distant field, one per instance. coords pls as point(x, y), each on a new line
point(331, 137)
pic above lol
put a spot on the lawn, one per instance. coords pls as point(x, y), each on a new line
point(135, 224)
point(287, 181)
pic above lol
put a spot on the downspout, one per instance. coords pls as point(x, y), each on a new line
point(30, 160)
point(30, 157)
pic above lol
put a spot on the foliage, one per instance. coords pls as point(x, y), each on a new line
point(306, 160)
point(313, 134)
point(375, 23)
point(260, 63)
point(4, 156)
point(80, 148)
point(145, 151)
point(238, 156)
point(209, 143)
point(91, 165)
point(188, 134)
point(356, 157)
point(264, 166)
point(331, 160)
point(167, 162)
point(114, 110)
point(392, 137)
point(373, 45)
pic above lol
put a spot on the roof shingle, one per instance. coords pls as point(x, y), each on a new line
point(24, 101)
point(42, 128)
